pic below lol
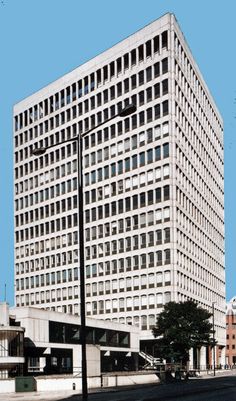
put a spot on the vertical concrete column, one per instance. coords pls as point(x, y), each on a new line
point(202, 359)
point(191, 359)
point(42, 363)
point(77, 368)
point(222, 357)
point(136, 357)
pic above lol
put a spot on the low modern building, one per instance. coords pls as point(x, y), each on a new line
point(48, 342)
point(11, 345)
point(231, 332)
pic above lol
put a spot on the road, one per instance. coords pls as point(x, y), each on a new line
point(202, 389)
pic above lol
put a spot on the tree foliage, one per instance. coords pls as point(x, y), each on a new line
point(180, 327)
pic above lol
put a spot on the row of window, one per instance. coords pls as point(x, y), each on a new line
point(127, 204)
point(202, 273)
point(232, 346)
point(189, 104)
point(89, 83)
point(139, 99)
point(45, 177)
point(62, 241)
point(135, 303)
point(188, 142)
point(126, 225)
point(44, 195)
point(135, 262)
point(126, 245)
point(128, 164)
point(54, 295)
point(44, 161)
point(125, 145)
point(191, 243)
point(134, 283)
point(120, 167)
point(188, 101)
point(209, 200)
point(61, 276)
point(123, 205)
point(100, 155)
point(213, 260)
point(152, 113)
point(213, 168)
point(143, 321)
point(101, 231)
point(197, 87)
point(130, 183)
point(196, 288)
point(137, 221)
point(42, 229)
point(60, 259)
point(211, 225)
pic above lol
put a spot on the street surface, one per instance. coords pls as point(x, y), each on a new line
point(221, 388)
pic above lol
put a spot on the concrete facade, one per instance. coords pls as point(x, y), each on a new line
point(153, 195)
point(52, 342)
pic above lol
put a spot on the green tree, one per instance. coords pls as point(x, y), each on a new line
point(180, 327)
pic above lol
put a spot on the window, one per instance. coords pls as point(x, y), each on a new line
point(164, 38)
point(140, 53)
point(148, 48)
point(157, 111)
point(157, 153)
point(158, 215)
point(142, 159)
point(141, 77)
point(166, 171)
point(166, 150)
point(164, 65)
point(165, 108)
point(157, 131)
point(167, 256)
point(156, 44)
point(157, 90)
point(133, 82)
point(165, 129)
point(156, 69)
point(166, 192)
point(165, 87)
point(150, 156)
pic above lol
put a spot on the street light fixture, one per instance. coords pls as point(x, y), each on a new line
point(126, 111)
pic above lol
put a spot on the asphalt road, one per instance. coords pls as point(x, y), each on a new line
point(201, 389)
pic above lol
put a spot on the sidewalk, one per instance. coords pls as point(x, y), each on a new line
point(151, 392)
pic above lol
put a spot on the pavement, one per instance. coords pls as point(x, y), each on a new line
point(194, 389)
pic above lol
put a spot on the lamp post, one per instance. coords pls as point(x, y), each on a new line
point(213, 329)
point(126, 111)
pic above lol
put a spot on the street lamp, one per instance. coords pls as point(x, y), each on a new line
point(126, 111)
point(213, 329)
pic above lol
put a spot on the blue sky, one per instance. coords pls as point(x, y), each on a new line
point(40, 40)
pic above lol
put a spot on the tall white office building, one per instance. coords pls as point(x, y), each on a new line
point(153, 185)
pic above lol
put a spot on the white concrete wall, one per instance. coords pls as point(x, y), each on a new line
point(69, 383)
point(61, 383)
point(7, 386)
point(136, 379)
